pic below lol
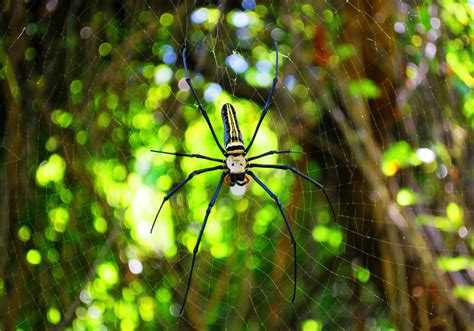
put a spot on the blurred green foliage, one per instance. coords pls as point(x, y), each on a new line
point(86, 232)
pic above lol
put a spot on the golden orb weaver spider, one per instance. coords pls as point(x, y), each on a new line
point(235, 167)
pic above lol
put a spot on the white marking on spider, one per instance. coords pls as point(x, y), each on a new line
point(236, 164)
point(238, 190)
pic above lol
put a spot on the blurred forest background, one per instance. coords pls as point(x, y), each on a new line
point(378, 95)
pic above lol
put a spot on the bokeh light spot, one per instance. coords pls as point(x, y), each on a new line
point(249, 4)
point(33, 257)
point(166, 19)
point(163, 74)
point(135, 266)
point(51, 171)
point(24, 233)
point(425, 155)
point(240, 19)
point(108, 273)
point(212, 92)
point(237, 63)
point(105, 49)
point(54, 316)
point(312, 325)
point(200, 15)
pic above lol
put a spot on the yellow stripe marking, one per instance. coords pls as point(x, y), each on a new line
point(234, 132)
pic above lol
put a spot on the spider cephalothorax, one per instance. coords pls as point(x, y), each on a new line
point(236, 166)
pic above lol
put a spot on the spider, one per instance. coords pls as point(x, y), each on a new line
point(236, 167)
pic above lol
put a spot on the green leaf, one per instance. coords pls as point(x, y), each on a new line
point(362, 274)
point(398, 156)
point(345, 51)
point(455, 263)
point(406, 197)
point(441, 223)
point(465, 292)
point(364, 88)
point(454, 213)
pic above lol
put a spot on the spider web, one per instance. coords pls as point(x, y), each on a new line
point(374, 103)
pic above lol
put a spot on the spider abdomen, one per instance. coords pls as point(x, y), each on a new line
point(233, 141)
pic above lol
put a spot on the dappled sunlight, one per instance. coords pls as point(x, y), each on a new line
point(141, 214)
point(51, 171)
point(375, 102)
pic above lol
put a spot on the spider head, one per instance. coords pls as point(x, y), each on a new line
point(236, 164)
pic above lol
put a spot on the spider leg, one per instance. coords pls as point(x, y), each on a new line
point(177, 187)
point(269, 100)
point(273, 152)
point(201, 108)
point(196, 247)
point(299, 173)
point(293, 241)
point(198, 156)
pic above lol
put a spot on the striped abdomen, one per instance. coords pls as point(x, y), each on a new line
point(234, 143)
